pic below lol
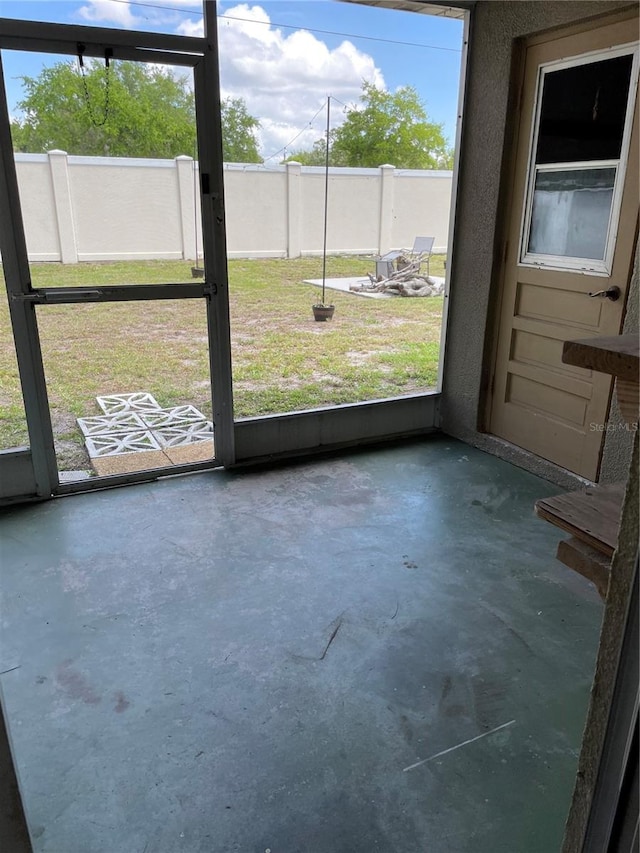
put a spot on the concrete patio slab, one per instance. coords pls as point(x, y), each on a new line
point(344, 285)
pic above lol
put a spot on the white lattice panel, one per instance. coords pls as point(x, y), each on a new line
point(139, 401)
point(115, 445)
point(183, 435)
point(100, 424)
point(172, 417)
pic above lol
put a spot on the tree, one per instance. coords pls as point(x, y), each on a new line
point(315, 157)
point(385, 128)
point(239, 143)
point(144, 111)
point(318, 155)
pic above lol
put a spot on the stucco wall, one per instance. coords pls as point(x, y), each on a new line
point(615, 458)
point(486, 131)
point(613, 625)
point(99, 208)
point(246, 201)
point(409, 184)
point(38, 208)
point(142, 224)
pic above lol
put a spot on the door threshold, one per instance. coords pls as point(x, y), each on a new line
point(113, 481)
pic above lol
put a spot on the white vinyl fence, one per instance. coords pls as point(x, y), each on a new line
point(112, 208)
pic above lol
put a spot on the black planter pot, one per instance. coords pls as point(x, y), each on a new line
point(323, 312)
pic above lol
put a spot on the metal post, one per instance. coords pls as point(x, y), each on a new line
point(326, 201)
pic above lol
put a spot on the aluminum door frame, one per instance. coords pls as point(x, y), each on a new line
point(200, 54)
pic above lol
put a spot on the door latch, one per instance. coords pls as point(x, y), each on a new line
point(612, 293)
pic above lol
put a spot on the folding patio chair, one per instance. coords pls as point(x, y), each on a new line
point(422, 248)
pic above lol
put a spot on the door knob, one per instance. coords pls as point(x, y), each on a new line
point(612, 293)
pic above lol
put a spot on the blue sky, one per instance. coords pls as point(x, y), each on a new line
point(274, 56)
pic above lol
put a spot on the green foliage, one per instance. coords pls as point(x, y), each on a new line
point(391, 128)
point(239, 144)
point(149, 113)
point(384, 128)
point(315, 157)
point(318, 155)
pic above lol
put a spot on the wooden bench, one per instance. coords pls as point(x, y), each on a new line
point(592, 515)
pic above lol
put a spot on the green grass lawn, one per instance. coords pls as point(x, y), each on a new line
point(282, 359)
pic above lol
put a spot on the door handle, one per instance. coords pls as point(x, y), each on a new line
point(612, 293)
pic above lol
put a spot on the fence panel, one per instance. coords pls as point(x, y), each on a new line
point(100, 208)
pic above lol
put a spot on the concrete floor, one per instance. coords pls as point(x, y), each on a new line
point(251, 661)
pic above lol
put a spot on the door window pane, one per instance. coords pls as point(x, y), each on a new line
point(571, 212)
point(127, 188)
point(578, 161)
point(583, 111)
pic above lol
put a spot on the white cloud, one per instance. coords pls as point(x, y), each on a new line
point(285, 78)
point(105, 11)
point(137, 16)
point(192, 28)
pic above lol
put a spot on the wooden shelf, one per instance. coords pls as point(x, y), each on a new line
point(586, 561)
point(591, 516)
point(618, 356)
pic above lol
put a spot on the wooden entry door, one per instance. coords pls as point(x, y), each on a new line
point(571, 233)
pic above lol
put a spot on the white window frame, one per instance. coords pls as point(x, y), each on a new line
point(587, 266)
